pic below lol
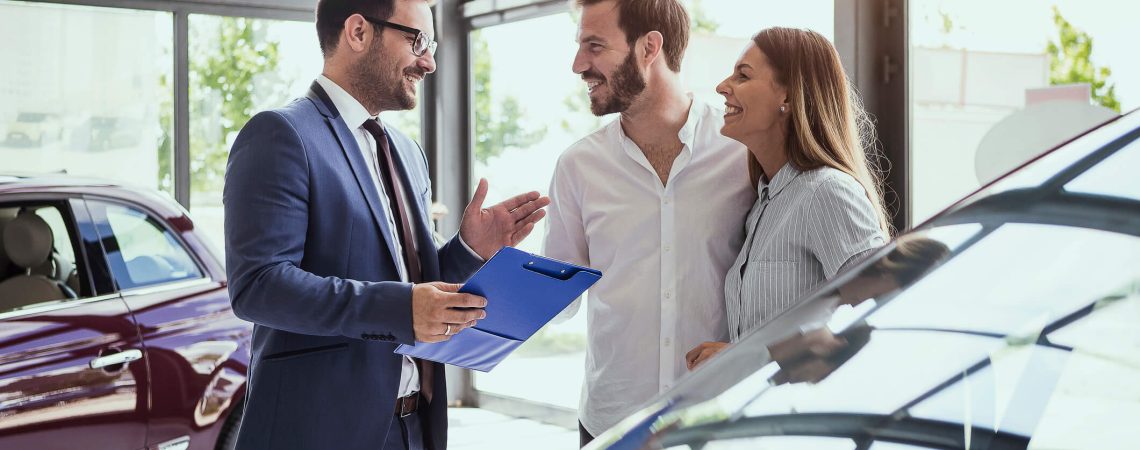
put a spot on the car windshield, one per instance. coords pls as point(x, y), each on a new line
point(1008, 321)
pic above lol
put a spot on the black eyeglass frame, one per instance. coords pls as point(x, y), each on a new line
point(421, 38)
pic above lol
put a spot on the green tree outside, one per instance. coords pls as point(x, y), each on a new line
point(229, 62)
point(1070, 61)
point(702, 23)
point(497, 126)
point(580, 119)
point(233, 70)
point(226, 81)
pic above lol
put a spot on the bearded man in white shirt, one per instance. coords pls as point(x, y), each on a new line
point(656, 200)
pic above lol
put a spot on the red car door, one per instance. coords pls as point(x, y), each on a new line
point(72, 373)
point(196, 348)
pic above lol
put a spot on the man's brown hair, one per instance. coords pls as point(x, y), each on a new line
point(636, 18)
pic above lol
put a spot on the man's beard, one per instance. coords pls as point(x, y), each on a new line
point(380, 84)
point(625, 84)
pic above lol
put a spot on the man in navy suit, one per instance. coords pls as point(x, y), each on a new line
point(330, 253)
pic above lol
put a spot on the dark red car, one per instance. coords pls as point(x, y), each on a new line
point(115, 324)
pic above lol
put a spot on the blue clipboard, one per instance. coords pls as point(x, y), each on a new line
point(523, 293)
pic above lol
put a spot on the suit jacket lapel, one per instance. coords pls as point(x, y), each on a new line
point(356, 161)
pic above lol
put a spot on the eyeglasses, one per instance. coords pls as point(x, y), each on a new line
point(422, 44)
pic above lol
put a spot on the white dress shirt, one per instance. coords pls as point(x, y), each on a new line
point(663, 252)
point(354, 114)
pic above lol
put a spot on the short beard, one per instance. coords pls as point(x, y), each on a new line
point(379, 83)
point(626, 84)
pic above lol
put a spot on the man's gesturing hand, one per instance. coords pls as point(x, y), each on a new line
point(434, 314)
point(486, 230)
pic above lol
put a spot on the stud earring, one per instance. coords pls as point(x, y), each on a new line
point(783, 109)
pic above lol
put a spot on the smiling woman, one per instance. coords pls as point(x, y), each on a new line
point(819, 204)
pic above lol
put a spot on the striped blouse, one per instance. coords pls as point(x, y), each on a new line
point(802, 229)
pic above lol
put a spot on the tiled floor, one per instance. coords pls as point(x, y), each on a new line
point(478, 429)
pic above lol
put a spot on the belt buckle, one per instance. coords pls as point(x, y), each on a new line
point(404, 402)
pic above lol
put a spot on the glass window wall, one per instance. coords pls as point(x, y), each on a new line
point(988, 92)
point(86, 92)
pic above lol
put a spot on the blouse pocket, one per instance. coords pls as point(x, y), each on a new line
point(771, 287)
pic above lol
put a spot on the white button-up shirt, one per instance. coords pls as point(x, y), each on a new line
point(663, 252)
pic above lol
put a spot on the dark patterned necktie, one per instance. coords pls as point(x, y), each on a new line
point(386, 171)
point(393, 187)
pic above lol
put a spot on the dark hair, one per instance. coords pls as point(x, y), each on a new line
point(331, 15)
point(911, 258)
point(636, 18)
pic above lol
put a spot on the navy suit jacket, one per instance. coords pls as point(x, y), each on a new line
point(310, 265)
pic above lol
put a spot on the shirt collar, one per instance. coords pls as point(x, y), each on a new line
point(689, 129)
point(687, 134)
point(352, 112)
point(783, 178)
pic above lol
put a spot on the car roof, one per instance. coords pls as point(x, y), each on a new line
point(63, 183)
point(24, 180)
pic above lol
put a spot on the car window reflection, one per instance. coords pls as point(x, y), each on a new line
point(918, 362)
point(992, 354)
point(1008, 393)
point(1044, 168)
point(144, 253)
point(1115, 176)
point(1013, 288)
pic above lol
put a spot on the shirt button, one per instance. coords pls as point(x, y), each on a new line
point(668, 342)
point(668, 248)
point(668, 294)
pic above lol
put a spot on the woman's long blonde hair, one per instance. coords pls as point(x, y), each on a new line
point(827, 125)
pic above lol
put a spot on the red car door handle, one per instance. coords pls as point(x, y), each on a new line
point(122, 357)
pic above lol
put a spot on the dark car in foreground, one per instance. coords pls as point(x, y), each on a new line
point(115, 324)
point(1009, 321)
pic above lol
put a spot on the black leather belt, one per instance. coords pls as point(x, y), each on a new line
point(407, 405)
